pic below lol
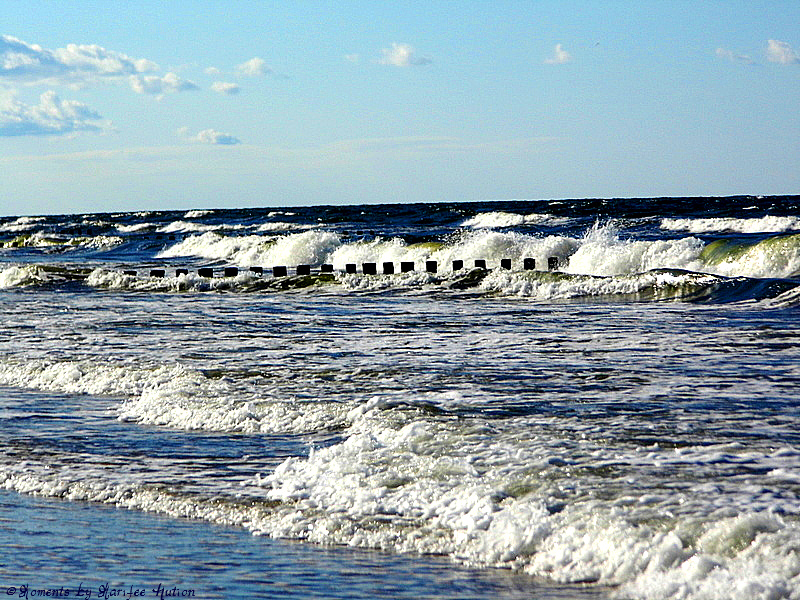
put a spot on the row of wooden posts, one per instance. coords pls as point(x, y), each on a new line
point(367, 268)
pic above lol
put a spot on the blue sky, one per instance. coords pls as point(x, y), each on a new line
point(112, 106)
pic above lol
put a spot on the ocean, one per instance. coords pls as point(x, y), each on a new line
point(607, 407)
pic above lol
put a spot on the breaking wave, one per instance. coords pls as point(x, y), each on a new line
point(601, 252)
point(401, 481)
point(43, 240)
point(196, 214)
point(22, 224)
point(311, 247)
point(174, 396)
point(191, 227)
point(15, 276)
point(754, 225)
point(496, 220)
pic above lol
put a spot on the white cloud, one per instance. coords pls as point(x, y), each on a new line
point(253, 67)
point(781, 53)
point(76, 65)
point(156, 85)
point(96, 59)
point(353, 58)
point(210, 136)
point(222, 87)
point(213, 71)
point(402, 55)
point(560, 56)
point(733, 57)
point(51, 117)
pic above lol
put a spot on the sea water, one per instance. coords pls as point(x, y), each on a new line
point(623, 426)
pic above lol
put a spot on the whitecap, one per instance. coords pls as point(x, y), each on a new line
point(768, 224)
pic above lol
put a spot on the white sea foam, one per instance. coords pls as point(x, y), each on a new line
point(766, 224)
point(406, 488)
point(195, 407)
point(487, 245)
point(196, 214)
point(603, 252)
point(85, 377)
point(742, 557)
point(404, 482)
point(310, 247)
point(214, 246)
point(281, 226)
point(756, 560)
point(277, 226)
point(119, 280)
point(91, 222)
point(22, 224)
point(357, 281)
point(379, 251)
point(494, 246)
point(43, 240)
point(174, 396)
point(98, 242)
point(544, 286)
point(494, 220)
point(16, 276)
point(135, 227)
point(191, 227)
point(34, 240)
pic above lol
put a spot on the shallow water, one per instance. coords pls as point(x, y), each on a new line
point(52, 544)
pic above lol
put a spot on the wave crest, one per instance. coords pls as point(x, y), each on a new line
point(496, 220)
point(15, 276)
point(309, 247)
point(766, 224)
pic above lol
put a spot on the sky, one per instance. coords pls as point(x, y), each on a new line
point(119, 106)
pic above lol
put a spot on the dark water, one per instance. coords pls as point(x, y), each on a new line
point(625, 424)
